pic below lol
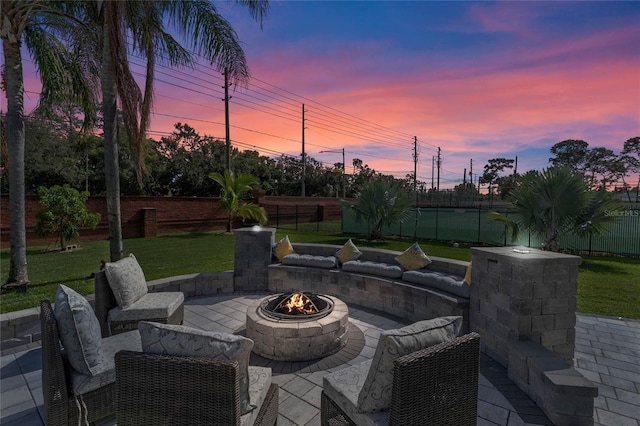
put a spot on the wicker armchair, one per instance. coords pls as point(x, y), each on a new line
point(105, 302)
point(435, 386)
point(154, 389)
point(63, 406)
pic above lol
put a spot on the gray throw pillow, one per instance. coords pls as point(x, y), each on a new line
point(79, 330)
point(375, 394)
point(126, 280)
point(180, 340)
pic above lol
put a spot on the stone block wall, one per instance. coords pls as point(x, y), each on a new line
point(252, 257)
point(523, 293)
point(523, 304)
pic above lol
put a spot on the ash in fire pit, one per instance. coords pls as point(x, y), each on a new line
point(297, 305)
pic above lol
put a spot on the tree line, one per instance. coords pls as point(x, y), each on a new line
point(57, 153)
point(599, 167)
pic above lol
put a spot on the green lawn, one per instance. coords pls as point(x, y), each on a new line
point(606, 285)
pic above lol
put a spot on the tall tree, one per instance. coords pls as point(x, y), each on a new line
point(571, 153)
point(492, 171)
point(603, 168)
point(44, 26)
point(207, 32)
point(630, 157)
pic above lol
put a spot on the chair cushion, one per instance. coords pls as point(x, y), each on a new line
point(79, 330)
point(413, 258)
point(295, 259)
point(259, 382)
point(348, 252)
point(343, 387)
point(168, 339)
point(438, 280)
point(126, 280)
point(106, 370)
point(376, 390)
point(282, 248)
point(150, 306)
point(373, 268)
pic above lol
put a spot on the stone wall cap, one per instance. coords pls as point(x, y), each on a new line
point(253, 229)
point(520, 253)
point(571, 382)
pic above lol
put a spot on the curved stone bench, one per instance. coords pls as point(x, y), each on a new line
point(396, 296)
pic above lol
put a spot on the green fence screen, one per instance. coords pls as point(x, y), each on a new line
point(471, 225)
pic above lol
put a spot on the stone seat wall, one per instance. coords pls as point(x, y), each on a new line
point(389, 295)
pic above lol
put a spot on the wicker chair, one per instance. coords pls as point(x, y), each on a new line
point(435, 386)
point(154, 389)
point(62, 406)
point(105, 302)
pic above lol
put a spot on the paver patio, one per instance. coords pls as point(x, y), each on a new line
point(607, 352)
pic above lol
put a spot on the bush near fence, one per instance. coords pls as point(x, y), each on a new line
point(471, 225)
point(151, 216)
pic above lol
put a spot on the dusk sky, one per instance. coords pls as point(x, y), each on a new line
point(480, 80)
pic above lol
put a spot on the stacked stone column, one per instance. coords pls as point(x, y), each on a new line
point(520, 294)
point(252, 258)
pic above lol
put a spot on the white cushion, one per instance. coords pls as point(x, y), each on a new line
point(106, 371)
point(376, 390)
point(295, 259)
point(153, 305)
point(373, 268)
point(126, 280)
point(168, 339)
point(438, 280)
point(259, 382)
point(79, 330)
point(343, 387)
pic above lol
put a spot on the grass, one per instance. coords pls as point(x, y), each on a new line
point(606, 285)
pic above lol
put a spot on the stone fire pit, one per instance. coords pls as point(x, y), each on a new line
point(283, 336)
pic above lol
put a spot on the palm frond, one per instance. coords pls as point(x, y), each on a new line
point(511, 227)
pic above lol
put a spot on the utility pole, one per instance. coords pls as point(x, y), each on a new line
point(226, 117)
point(415, 185)
point(438, 195)
point(304, 159)
point(438, 188)
point(433, 167)
point(415, 168)
point(473, 187)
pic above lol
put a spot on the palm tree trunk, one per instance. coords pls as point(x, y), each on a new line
point(111, 165)
point(15, 137)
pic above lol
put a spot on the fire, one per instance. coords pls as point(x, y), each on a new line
point(298, 303)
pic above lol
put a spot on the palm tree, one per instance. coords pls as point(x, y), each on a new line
point(554, 202)
point(381, 201)
point(209, 35)
point(42, 24)
point(234, 188)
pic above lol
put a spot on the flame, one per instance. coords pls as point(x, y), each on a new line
point(297, 303)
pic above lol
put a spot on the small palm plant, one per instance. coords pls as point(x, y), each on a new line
point(557, 201)
point(234, 188)
point(381, 201)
